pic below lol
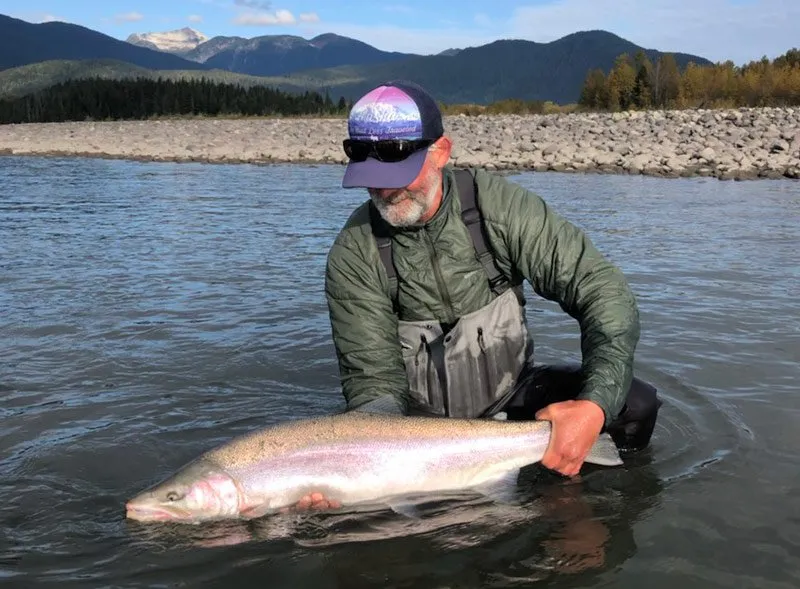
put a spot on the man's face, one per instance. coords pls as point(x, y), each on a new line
point(404, 207)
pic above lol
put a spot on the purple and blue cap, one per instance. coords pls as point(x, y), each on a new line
point(394, 110)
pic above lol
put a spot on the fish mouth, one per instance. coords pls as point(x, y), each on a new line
point(151, 513)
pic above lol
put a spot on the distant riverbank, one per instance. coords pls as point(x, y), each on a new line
point(728, 144)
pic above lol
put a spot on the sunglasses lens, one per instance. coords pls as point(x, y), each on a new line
point(385, 151)
point(395, 151)
point(356, 150)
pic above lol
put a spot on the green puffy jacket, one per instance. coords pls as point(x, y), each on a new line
point(440, 279)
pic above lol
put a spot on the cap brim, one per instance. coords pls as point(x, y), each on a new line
point(372, 173)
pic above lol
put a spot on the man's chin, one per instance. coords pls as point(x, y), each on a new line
point(397, 219)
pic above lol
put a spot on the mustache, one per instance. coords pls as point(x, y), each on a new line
point(392, 197)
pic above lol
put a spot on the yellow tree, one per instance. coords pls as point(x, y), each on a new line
point(694, 87)
point(667, 77)
point(622, 82)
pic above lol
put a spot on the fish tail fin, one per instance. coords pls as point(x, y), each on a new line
point(604, 452)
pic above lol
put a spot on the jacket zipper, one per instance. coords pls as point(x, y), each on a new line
point(439, 280)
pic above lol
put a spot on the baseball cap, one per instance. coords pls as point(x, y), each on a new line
point(394, 111)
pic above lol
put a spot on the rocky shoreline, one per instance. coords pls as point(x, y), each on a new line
point(727, 144)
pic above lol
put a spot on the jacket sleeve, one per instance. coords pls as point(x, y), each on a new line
point(563, 265)
point(364, 330)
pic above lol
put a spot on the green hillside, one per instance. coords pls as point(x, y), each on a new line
point(27, 79)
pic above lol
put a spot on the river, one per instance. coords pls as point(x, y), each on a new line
point(149, 311)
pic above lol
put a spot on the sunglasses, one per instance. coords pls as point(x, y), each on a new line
point(390, 150)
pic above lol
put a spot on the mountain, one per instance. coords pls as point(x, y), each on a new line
point(178, 42)
point(267, 55)
point(212, 47)
point(277, 55)
point(499, 70)
point(340, 66)
point(22, 43)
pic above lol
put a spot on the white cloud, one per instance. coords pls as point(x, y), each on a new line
point(38, 17)
point(128, 17)
point(279, 17)
point(196, 18)
point(258, 13)
point(715, 29)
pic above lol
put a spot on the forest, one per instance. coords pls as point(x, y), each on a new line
point(142, 98)
point(636, 83)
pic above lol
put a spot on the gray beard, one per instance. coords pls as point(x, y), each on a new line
point(407, 212)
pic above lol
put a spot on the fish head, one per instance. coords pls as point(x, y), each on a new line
point(199, 492)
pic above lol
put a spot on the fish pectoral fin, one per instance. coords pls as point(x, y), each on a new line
point(404, 507)
point(502, 489)
point(255, 511)
point(604, 452)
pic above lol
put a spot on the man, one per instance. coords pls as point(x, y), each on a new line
point(419, 320)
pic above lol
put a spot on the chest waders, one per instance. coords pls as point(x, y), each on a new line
point(464, 369)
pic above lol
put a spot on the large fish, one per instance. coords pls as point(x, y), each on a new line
point(352, 458)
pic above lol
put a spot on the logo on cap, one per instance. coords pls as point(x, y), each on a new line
point(385, 113)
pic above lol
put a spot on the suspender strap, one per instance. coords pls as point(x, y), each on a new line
point(472, 218)
point(384, 241)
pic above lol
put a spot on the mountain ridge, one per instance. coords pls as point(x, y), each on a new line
point(327, 63)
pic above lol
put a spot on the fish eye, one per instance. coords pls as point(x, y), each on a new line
point(173, 496)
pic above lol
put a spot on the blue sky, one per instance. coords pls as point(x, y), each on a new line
point(740, 30)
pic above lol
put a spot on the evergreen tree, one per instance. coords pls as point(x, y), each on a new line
point(141, 98)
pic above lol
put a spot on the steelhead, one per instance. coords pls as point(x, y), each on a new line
point(354, 458)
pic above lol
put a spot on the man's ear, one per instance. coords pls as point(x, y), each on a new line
point(441, 152)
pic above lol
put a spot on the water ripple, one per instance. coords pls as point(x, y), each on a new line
point(153, 311)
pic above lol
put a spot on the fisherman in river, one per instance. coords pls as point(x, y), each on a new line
point(424, 286)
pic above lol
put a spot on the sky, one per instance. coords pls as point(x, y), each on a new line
point(719, 30)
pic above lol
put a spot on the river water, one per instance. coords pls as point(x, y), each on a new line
point(149, 311)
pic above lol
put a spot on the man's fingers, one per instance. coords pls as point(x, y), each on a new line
point(316, 501)
point(561, 463)
point(554, 461)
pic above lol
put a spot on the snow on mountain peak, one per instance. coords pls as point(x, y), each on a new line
point(179, 40)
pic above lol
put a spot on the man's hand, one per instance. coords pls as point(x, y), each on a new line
point(575, 428)
point(313, 501)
